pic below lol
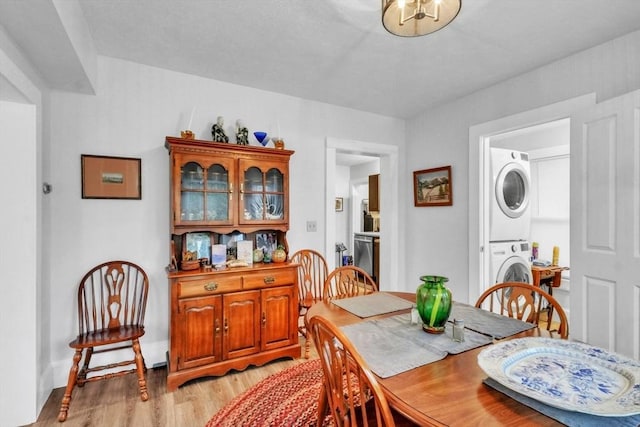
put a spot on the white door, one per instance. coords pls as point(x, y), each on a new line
point(605, 225)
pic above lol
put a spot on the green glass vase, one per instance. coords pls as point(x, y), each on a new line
point(433, 300)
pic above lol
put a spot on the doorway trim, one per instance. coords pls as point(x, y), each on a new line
point(479, 177)
point(389, 202)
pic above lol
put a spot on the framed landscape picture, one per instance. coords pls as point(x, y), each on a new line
point(432, 187)
point(105, 177)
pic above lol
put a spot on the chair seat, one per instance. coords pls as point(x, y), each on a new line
point(107, 336)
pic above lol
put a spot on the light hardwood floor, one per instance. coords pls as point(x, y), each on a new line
point(116, 402)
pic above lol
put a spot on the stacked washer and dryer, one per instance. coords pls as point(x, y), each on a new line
point(510, 217)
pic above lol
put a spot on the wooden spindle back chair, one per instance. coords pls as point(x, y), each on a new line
point(112, 299)
point(350, 389)
point(312, 273)
point(348, 281)
point(528, 303)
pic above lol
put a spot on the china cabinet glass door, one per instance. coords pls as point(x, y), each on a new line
point(206, 193)
point(263, 194)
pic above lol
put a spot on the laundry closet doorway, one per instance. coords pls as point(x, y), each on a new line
point(545, 151)
point(517, 132)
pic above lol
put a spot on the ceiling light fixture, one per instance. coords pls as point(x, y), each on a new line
point(411, 18)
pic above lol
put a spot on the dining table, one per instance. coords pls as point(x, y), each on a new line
point(446, 392)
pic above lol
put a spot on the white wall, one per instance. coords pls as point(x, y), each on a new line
point(134, 109)
point(18, 245)
point(440, 136)
point(22, 254)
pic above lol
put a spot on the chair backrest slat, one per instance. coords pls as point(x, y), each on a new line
point(111, 295)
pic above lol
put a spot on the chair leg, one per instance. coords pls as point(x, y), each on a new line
point(307, 345)
point(140, 369)
point(82, 375)
point(71, 382)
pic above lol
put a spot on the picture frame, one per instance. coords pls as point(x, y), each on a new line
point(200, 243)
point(107, 177)
point(339, 204)
point(268, 242)
point(433, 187)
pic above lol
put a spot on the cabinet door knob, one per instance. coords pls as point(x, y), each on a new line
point(211, 286)
point(264, 318)
point(269, 279)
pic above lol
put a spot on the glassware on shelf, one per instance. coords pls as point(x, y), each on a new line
point(274, 180)
point(217, 178)
point(262, 138)
point(191, 176)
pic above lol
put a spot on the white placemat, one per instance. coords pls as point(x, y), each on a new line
point(393, 345)
point(488, 323)
point(373, 304)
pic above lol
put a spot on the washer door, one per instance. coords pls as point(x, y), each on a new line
point(514, 269)
point(512, 190)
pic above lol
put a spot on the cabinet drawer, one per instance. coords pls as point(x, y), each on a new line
point(269, 278)
point(210, 286)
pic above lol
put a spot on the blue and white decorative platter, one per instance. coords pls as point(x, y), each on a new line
point(567, 375)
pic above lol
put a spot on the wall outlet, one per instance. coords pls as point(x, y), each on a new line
point(312, 226)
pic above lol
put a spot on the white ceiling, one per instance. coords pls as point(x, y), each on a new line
point(333, 51)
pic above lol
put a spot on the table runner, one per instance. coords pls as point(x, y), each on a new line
point(488, 323)
point(373, 304)
point(569, 418)
point(393, 345)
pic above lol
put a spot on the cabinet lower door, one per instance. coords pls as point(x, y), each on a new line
point(279, 326)
point(200, 335)
point(241, 324)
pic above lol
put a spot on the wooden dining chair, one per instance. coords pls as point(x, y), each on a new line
point(112, 299)
point(348, 281)
point(312, 273)
point(528, 303)
point(350, 389)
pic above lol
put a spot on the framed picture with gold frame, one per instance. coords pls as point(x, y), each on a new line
point(106, 177)
point(432, 187)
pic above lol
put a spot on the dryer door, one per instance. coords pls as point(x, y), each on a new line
point(515, 269)
point(512, 190)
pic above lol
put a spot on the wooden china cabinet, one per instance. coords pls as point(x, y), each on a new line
point(233, 317)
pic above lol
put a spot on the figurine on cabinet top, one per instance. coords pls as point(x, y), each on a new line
point(217, 131)
point(242, 133)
